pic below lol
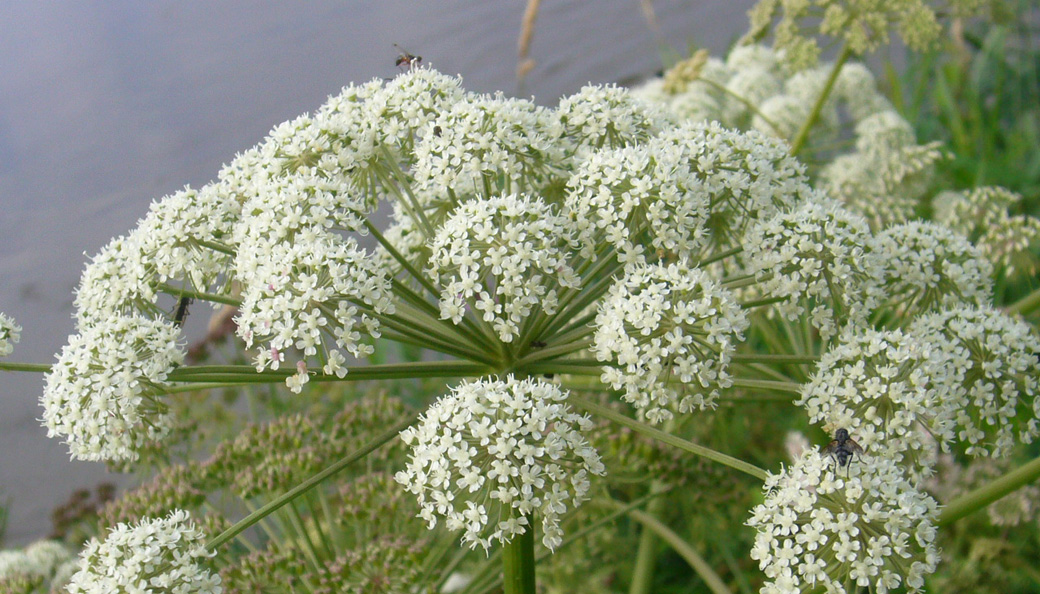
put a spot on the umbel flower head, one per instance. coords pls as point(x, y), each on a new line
point(608, 116)
point(639, 197)
point(493, 454)
point(877, 386)
point(819, 258)
point(487, 145)
point(303, 281)
point(10, 333)
point(986, 363)
point(101, 394)
point(668, 333)
point(982, 216)
point(747, 176)
point(507, 255)
point(927, 266)
point(819, 529)
point(155, 555)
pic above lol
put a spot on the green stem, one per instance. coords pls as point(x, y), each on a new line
point(687, 552)
point(180, 292)
point(669, 439)
point(646, 554)
point(803, 134)
point(309, 484)
point(32, 367)
point(979, 498)
point(775, 359)
point(518, 562)
point(1025, 305)
point(753, 384)
point(244, 373)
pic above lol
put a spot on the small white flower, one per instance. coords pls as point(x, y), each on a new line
point(818, 529)
point(492, 452)
point(101, 395)
point(10, 334)
point(162, 554)
point(668, 333)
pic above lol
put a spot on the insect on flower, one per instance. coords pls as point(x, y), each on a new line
point(406, 59)
point(843, 449)
point(182, 311)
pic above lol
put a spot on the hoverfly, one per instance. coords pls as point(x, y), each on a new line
point(843, 449)
point(406, 59)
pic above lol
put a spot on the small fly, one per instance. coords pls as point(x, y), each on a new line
point(406, 59)
point(843, 449)
point(182, 311)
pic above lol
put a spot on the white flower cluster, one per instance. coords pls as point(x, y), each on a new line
point(489, 146)
point(668, 333)
point(169, 244)
point(507, 255)
point(819, 258)
point(303, 281)
point(887, 175)
point(747, 176)
point(156, 555)
point(986, 364)
point(982, 215)
point(818, 529)
point(100, 395)
point(882, 179)
point(45, 562)
point(492, 454)
point(10, 334)
point(927, 266)
point(598, 117)
point(403, 110)
point(877, 386)
point(637, 197)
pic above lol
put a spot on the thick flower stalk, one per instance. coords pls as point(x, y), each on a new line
point(667, 334)
point(102, 394)
point(819, 259)
point(10, 334)
point(819, 529)
point(156, 555)
point(493, 454)
point(986, 363)
point(877, 386)
point(504, 256)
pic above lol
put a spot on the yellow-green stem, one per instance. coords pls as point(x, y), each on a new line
point(518, 562)
point(683, 548)
point(307, 485)
point(803, 134)
point(667, 438)
point(979, 498)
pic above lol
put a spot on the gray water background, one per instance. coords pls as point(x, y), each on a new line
point(108, 105)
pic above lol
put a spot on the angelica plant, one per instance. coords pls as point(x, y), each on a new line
point(584, 286)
